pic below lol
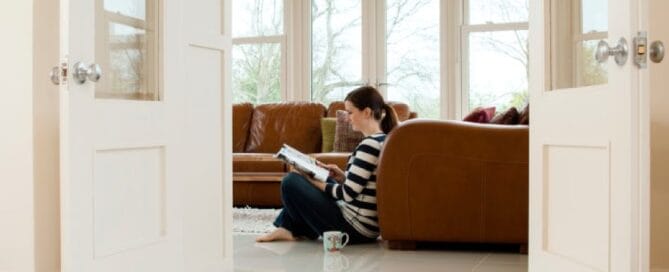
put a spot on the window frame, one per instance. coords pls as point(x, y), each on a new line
point(279, 39)
point(152, 88)
point(453, 51)
point(579, 38)
point(572, 49)
point(466, 29)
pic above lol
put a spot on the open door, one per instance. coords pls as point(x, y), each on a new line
point(142, 185)
point(588, 137)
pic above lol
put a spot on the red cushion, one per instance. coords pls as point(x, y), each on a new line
point(480, 115)
point(524, 116)
point(509, 117)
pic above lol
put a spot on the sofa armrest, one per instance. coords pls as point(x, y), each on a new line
point(338, 158)
point(454, 181)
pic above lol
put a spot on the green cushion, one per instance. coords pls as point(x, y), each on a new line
point(328, 131)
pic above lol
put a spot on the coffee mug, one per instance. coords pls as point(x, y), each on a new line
point(334, 241)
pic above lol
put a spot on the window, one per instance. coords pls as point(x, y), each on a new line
point(404, 63)
point(442, 58)
point(576, 28)
point(257, 54)
point(336, 48)
point(495, 54)
point(412, 55)
point(127, 49)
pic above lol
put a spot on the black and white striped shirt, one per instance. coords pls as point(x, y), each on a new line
point(358, 192)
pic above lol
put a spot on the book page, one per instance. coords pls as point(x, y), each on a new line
point(303, 162)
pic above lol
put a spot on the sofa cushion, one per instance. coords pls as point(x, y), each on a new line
point(524, 116)
point(328, 125)
point(295, 123)
point(480, 115)
point(402, 110)
point(256, 162)
point(241, 121)
point(509, 117)
point(346, 139)
point(334, 107)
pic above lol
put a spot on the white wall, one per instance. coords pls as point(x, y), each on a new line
point(659, 140)
point(45, 127)
point(16, 137)
point(29, 210)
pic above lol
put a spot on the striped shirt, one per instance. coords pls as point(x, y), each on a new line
point(357, 194)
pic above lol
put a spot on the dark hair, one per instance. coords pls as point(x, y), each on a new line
point(368, 97)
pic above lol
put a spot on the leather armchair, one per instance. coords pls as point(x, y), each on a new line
point(453, 181)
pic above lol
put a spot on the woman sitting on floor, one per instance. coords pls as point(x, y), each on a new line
point(347, 201)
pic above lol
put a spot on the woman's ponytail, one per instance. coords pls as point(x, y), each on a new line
point(389, 120)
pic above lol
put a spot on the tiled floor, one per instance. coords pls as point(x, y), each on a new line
point(309, 256)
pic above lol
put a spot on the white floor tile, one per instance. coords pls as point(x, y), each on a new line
point(309, 256)
point(503, 258)
point(501, 268)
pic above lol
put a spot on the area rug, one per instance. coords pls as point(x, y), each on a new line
point(253, 221)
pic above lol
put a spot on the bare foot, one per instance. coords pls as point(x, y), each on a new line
point(279, 234)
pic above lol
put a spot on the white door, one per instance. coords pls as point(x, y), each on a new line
point(139, 192)
point(588, 139)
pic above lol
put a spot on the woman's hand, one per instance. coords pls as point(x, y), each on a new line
point(335, 172)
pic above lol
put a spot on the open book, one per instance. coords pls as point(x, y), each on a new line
point(302, 162)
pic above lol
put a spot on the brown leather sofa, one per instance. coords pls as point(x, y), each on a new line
point(258, 133)
point(454, 181)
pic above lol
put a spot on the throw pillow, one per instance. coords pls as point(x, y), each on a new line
point(524, 116)
point(480, 115)
point(509, 117)
point(345, 139)
point(328, 126)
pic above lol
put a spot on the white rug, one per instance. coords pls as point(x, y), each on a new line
point(253, 221)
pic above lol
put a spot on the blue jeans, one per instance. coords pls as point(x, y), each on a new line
point(308, 212)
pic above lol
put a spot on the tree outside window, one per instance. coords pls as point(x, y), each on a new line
point(257, 51)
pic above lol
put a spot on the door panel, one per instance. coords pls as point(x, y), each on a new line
point(120, 203)
point(586, 141)
point(577, 174)
point(141, 150)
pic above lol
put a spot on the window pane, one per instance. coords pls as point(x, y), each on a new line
point(126, 59)
point(595, 15)
point(130, 8)
point(127, 50)
point(591, 71)
point(257, 18)
point(336, 57)
point(498, 69)
point(497, 11)
point(573, 62)
point(256, 73)
point(412, 38)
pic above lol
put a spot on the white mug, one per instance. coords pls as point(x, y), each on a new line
point(334, 241)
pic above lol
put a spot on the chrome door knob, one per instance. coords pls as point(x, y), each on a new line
point(82, 72)
point(620, 52)
point(656, 51)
